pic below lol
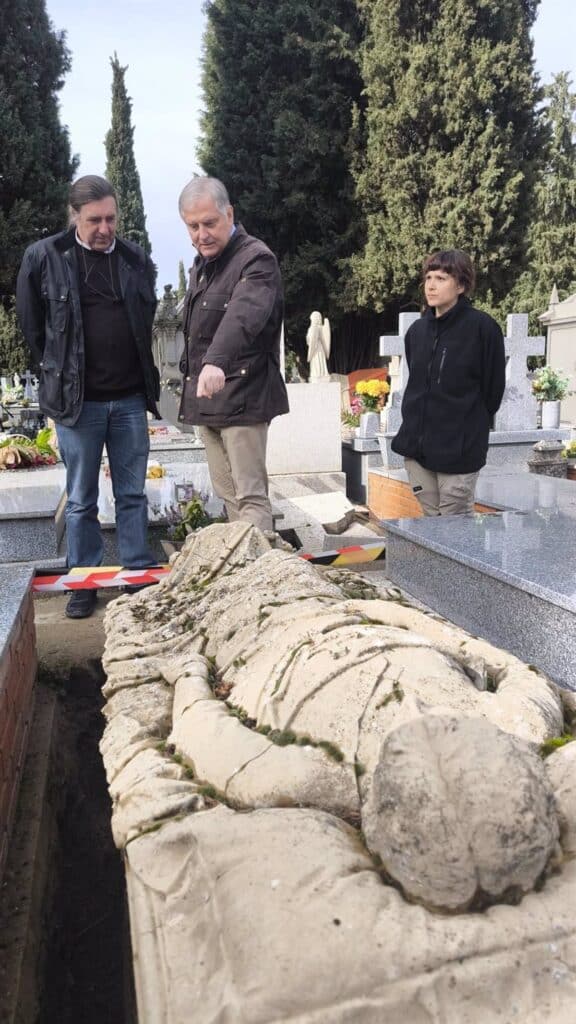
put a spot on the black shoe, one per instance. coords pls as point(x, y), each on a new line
point(81, 604)
point(135, 588)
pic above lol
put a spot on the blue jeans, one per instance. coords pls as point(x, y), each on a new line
point(123, 427)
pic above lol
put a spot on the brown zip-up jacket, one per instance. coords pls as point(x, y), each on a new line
point(233, 315)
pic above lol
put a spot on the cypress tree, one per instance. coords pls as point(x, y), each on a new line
point(454, 142)
point(121, 170)
point(283, 95)
point(552, 236)
point(14, 353)
point(36, 165)
point(181, 291)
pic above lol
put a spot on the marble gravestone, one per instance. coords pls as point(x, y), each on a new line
point(508, 577)
point(32, 514)
point(560, 323)
point(168, 347)
point(360, 455)
point(307, 439)
point(30, 387)
point(331, 805)
point(519, 406)
point(168, 444)
point(393, 346)
point(515, 428)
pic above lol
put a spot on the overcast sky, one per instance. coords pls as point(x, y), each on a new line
point(162, 43)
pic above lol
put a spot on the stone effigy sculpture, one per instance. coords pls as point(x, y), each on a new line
point(332, 804)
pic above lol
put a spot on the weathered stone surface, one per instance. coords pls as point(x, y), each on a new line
point(279, 915)
point(152, 709)
point(150, 789)
point(250, 770)
point(460, 813)
point(561, 768)
point(250, 677)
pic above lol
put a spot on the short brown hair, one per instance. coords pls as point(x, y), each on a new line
point(90, 189)
point(454, 262)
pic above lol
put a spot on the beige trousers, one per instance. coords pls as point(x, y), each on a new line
point(441, 494)
point(237, 464)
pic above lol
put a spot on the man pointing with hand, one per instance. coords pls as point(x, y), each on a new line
point(233, 315)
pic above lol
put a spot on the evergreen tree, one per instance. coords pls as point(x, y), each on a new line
point(552, 236)
point(35, 161)
point(182, 283)
point(282, 93)
point(454, 141)
point(15, 356)
point(121, 170)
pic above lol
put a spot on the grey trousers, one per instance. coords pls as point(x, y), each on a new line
point(237, 464)
point(441, 494)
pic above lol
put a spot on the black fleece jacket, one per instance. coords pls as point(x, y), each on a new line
point(455, 387)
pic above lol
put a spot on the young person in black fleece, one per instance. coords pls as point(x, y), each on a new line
point(456, 360)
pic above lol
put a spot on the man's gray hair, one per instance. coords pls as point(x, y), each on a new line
point(200, 187)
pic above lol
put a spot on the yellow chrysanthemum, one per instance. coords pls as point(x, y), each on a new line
point(374, 388)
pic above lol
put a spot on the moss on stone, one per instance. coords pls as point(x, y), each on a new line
point(554, 743)
point(396, 693)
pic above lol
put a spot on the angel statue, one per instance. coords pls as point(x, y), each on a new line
point(318, 340)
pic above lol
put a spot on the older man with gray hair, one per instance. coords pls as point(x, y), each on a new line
point(233, 315)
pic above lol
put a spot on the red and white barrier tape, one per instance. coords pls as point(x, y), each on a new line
point(104, 576)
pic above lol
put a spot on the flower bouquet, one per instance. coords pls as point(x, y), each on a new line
point(570, 452)
point(186, 517)
point(19, 452)
point(371, 394)
point(550, 385)
point(12, 395)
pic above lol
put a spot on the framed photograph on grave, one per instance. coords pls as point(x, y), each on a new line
point(185, 492)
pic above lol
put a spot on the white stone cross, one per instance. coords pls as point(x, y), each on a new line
point(519, 406)
point(28, 386)
point(393, 345)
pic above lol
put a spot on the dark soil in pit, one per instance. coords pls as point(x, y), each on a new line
point(88, 970)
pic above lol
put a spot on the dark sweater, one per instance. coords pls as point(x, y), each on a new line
point(112, 367)
point(455, 387)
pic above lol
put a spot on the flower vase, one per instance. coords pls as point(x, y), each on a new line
point(369, 424)
point(550, 415)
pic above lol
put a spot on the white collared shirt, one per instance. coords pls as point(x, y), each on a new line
point(84, 246)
